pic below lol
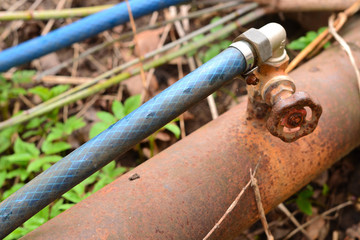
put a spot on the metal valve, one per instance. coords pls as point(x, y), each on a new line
point(272, 93)
point(290, 120)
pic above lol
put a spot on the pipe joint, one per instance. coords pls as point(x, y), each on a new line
point(272, 93)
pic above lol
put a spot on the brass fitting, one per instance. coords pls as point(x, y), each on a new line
point(272, 93)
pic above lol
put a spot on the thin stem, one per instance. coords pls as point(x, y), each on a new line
point(51, 14)
point(92, 50)
point(48, 106)
point(150, 54)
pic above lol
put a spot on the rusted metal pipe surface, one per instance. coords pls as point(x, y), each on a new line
point(183, 191)
point(308, 5)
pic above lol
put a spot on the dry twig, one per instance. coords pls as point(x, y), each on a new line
point(324, 37)
point(334, 209)
point(260, 207)
point(133, 26)
point(192, 64)
point(283, 208)
point(51, 22)
point(232, 206)
point(346, 47)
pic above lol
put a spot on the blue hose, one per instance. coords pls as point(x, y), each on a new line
point(118, 138)
point(78, 31)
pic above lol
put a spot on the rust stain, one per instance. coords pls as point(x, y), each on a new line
point(206, 170)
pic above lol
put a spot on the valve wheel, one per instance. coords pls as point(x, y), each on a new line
point(289, 119)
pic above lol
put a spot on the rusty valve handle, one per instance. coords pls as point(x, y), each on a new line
point(289, 119)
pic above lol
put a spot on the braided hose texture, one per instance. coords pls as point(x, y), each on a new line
point(118, 138)
point(78, 31)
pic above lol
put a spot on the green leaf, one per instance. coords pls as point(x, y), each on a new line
point(325, 190)
point(56, 208)
point(31, 133)
point(118, 110)
point(18, 172)
point(3, 175)
point(132, 103)
point(307, 192)
point(303, 200)
point(16, 91)
point(17, 233)
point(198, 37)
point(102, 183)
point(73, 123)
point(13, 189)
point(296, 45)
point(18, 158)
point(43, 92)
point(37, 164)
point(304, 205)
point(35, 122)
point(328, 44)
point(56, 147)
point(117, 172)
point(225, 44)
point(106, 117)
point(217, 28)
point(320, 30)
point(79, 189)
point(109, 167)
point(57, 90)
point(56, 132)
point(23, 76)
point(211, 52)
point(98, 128)
point(24, 147)
point(91, 179)
point(5, 143)
point(72, 196)
point(172, 127)
point(66, 206)
point(38, 219)
point(195, 39)
point(310, 36)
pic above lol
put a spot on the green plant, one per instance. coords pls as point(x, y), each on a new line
point(11, 89)
point(302, 42)
point(24, 160)
point(214, 48)
point(119, 111)
point(303, 200)
point(46, 93)
point(325, 190)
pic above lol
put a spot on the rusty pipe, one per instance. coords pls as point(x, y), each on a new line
point(183, 191)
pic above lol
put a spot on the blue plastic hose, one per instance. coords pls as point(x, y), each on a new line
point(78, 31)
point(118, 138)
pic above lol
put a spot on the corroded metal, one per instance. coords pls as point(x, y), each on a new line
point(183, 191)
point(286, 115)
point(289, 113)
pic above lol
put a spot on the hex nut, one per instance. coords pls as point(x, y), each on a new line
point(259, 42)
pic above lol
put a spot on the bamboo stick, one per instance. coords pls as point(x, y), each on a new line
point(147, 56)
point(51, 14)
point(126, 35)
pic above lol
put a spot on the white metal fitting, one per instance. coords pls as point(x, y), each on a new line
point(246, 49)
point(266, 44)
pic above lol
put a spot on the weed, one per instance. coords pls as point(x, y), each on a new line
point(302, 42)
point(303, 200)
